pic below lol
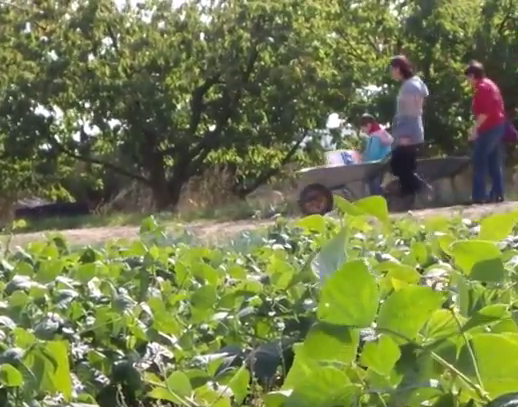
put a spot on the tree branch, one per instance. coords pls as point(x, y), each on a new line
point(197, 105)
point(229, 104)
point(265, 176)
point(97, 161)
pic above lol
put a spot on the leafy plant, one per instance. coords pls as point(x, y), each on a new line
point(351, 310)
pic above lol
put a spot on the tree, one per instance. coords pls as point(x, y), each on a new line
point(165, 87)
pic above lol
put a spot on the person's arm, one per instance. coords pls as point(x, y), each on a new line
point(386, 138)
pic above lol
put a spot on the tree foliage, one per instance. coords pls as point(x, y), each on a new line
point(160, 91)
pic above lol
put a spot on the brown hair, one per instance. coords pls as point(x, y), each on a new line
point(402, 63)
point(475, 69)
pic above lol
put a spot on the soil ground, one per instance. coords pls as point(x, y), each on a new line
point(213, 229)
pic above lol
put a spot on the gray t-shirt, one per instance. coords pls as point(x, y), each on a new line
point(408, 121)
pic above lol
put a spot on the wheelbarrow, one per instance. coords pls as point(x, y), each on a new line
point(318, 184)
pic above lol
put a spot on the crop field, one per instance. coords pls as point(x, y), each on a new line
point(355, 310)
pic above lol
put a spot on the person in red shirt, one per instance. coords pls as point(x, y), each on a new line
point(486, 133)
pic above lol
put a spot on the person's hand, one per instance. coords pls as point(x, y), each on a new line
point(473, 134)
point(404, 141)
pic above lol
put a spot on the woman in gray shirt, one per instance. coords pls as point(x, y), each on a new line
point(407, 127)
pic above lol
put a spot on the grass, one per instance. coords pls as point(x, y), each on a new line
point(235, 211)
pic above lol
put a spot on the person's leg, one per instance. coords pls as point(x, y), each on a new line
point(480, 158)
point(395, 162)
point(375, 185)
point(494, 163)
point(410, 182)
point(399, 165)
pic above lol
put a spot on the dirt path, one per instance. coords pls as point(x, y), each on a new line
point(209, 230)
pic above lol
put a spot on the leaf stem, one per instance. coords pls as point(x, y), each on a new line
point(483, 393)
point(464, 378)
point(477, 387)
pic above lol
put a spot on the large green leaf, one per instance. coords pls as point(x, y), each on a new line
point(347, 207)
point(313, 223)
point(381, 355)
point(204, 297)
point(496, 356)
point(498, 226)
point(406, 311)
point(239, 384)
point(10, 376)
point(331, 343)
point(375, 206)
point(480, 260)
point(331, 257)
point(179, 384)
point(349, 297)
point(325, 387)
point(51, 368)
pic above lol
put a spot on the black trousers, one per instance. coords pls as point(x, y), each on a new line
point(403, 165)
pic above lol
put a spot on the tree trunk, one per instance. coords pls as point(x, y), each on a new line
point(165, 197)
point(167, 193)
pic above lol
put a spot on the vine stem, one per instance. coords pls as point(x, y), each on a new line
point(471, 352)
point(464, 378)
point(476, 387)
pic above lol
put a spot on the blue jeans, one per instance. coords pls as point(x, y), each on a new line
point(486, 159)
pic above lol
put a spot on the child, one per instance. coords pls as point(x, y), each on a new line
point(378, 147)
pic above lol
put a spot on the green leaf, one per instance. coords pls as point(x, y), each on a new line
point(480, 260)
point(324, 386)
point(58, 350)
point(277, 398)
point(407, 310)
point(498, 226)
point(375, 206)
point(178, 383)
point(331, 343)
point(346, 207)
point(399, 271)
point(10, 376)
point(380, 355)
point(331, 257)
point(49, 270)
point(487, 315)
point(206, 396)
point(442, 324)
point(85, 272)
point(52, 367)
point(204, 297)
point(239, 385)
point(349, 297)
point(160, 393)
point(496, 356)
point(312, 223)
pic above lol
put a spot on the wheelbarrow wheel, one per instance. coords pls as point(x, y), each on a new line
point(316, 199)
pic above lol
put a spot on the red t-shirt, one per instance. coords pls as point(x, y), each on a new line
point(488, 100)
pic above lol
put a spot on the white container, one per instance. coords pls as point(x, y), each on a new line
point(342, 157)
